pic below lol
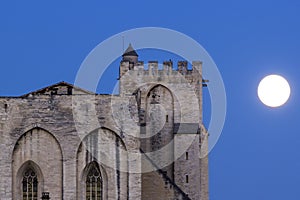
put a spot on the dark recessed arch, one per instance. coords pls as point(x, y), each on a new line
point(158, 85)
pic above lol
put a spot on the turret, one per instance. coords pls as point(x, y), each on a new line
point(129, 60)
point(130, 55)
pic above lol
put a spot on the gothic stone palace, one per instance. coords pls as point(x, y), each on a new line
point(147, 142)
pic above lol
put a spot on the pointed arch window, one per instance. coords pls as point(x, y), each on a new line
point(94, 183)
point(30, 185)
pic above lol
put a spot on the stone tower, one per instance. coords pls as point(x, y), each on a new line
point(169, 104)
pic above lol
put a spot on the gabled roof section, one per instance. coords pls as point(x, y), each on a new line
point(61, 88)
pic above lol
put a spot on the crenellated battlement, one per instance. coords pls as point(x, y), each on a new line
point(131, 66)
point(154, 68)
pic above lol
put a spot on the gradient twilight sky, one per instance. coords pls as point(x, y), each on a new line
point(258, 153)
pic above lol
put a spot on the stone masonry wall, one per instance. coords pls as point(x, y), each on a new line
point(48, 129)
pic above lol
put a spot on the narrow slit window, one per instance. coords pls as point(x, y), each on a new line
point(187, 178)
point(186, 155)
point(167, 118)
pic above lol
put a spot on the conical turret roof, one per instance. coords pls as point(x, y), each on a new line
point(130, 51)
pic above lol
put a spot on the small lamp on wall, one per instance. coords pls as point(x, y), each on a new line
point(45, 196)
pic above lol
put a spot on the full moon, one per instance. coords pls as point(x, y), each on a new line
point(273, 90)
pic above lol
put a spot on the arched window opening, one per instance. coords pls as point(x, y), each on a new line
point(94, 184)
point(30, 185)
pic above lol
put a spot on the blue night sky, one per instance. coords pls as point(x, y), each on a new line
point(258, 153)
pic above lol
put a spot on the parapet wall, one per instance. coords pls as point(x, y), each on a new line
point(153, 68)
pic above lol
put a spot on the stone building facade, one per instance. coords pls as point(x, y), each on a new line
point(148, 142)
